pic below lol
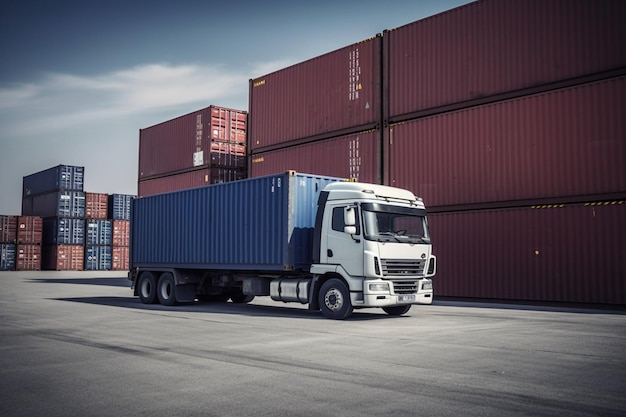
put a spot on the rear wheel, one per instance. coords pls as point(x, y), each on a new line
point(237, 296)
point(147, 288)
point(166, 290)
point(334, 300)
point(397, 310)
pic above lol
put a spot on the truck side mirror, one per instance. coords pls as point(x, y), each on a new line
point(349, 220)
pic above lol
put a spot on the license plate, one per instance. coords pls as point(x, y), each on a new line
point(406, 298)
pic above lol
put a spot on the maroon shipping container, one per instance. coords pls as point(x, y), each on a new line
point(8, 228)
point(29, 230)
point(119, 258)
point(490, 47)
point(352, 156)
point(63, 257)
point(191, 179)
point(96, 205)
point(28, 257)
point(120, 233)
point(547, 253)
point(184, 143)
point(569, 142)
point(332, 94)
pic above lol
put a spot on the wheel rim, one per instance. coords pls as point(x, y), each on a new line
point(166, 290)
point(146, 288)
point(333, 299)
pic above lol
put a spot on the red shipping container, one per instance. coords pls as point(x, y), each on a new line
point(187, 180)
point(352, 156)
point(30, 230)
point(184, 143)
point(490, 47)
point(28, 257)
point(63, 257)
point(120, 233)
point(569, 142)
point(571, 253)
point(319, 98)
point(8, 228)
point(96, 205)
point(119, 258)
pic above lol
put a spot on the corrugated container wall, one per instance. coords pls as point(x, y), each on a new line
point(28, 257)
point(96, 205)
point(58, 178)
point(490, 47)
point(97, 258)
point(546, 253)
point(63, 257)
point(119, 206)
point(564, 143)
point(119, 258)
point(191, 179)
point(352, 156)
point(98, 232)
point(263, 223)
point(8, 228)
point(63, 231)
point(55, 204)
point(30, 230)
point(336, 92)
point(191, 141)
point(7, 256)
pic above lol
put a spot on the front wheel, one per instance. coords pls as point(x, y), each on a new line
point(397, 310)
point(147, 288)
point(166, 290)
point(334, 300)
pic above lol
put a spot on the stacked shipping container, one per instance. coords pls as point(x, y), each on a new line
point(200, 148)
point(487, 111)
point(20, 242)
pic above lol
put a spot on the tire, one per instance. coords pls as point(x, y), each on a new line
point(334, 300)
point(166, 290)
point(397, 310)
point(147, 288)
point(239, 297)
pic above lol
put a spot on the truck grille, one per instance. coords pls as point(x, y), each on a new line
point(405, 287)
point(402, 267)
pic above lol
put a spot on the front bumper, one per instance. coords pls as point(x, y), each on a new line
point(374, 294)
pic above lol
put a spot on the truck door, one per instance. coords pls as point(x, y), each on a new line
point(344, 247)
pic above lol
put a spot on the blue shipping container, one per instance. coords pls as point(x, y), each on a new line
point(119, 206)
point(7, 256)
point(263, 224)
point(63, 231)
point(97, 258)
point(55, 204)
point(98, 232)
point(58, 178)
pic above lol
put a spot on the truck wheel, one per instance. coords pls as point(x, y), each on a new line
point(397, 310)
point(166, 290)
point(240, 298)
point(147, 288)
point(334, 300)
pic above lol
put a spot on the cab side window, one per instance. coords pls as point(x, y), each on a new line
point(338, 223)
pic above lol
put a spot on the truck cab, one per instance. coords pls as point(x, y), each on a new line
point(375, 238)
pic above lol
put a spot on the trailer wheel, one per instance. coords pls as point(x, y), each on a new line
point(334, 300)
point(397, 310)
point(166, 289)
point(147, 288)
point(239, 297)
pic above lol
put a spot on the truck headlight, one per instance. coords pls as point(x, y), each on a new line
point(379, 286)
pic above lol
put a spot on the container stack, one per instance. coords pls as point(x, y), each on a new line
point(119, 215)
point(506, 117)
point(57, 195)
point(29, 241)
point(200, 148)
point(8, 234)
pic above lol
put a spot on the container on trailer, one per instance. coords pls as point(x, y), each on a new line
point(98, 232)
point(7, 256)
point(548, 252)
point(28, 257)
point(30, 230)
point(58, 178)
point(97, 258)
point(55, 204)
point(120, 233)
point(354, 156)
point(563, 143)
point(8, 228)
point(96, 205)
point(63, 257)
point(491, 47)
point(262, 224)
point(63, 231)
point(184, 143)
point(191, 179)
point(119, 206)
point(119, 258)
point(335, 93)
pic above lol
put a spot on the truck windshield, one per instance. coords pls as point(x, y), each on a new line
point(386, 223)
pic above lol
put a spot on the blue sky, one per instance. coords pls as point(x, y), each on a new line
point(78, 79)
